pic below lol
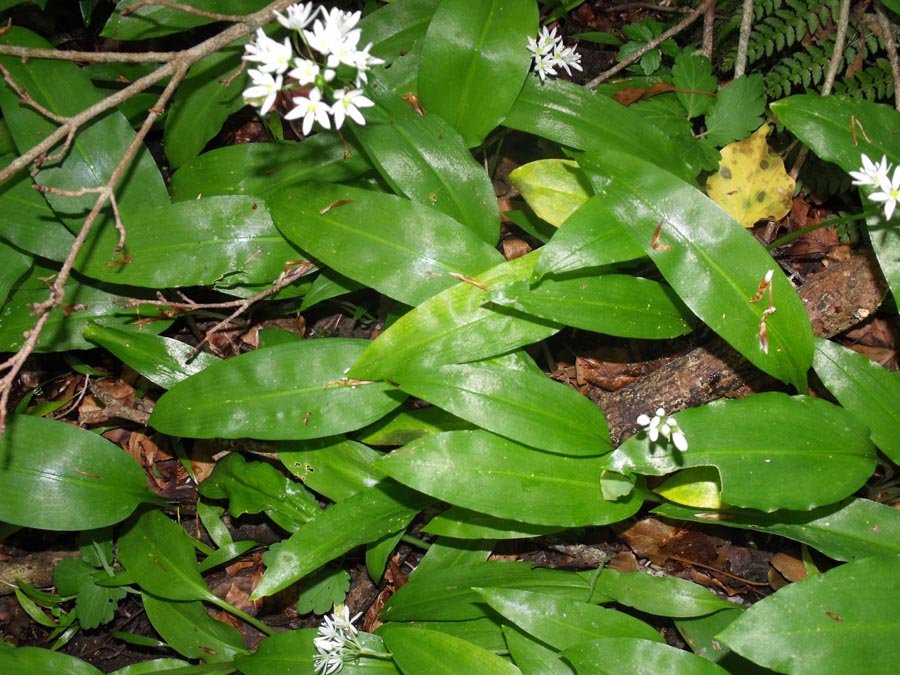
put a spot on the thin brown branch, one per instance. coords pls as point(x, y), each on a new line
point(187, 9)
point(890, 44)
point(740, 61)
point(709, 30)
point(25, 98)
point(26, 53)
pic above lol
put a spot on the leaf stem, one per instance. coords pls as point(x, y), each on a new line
point(252, 620)
point(796, 234)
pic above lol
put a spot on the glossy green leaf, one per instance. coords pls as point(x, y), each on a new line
point(448, 595)
point(189, 629)
point(258, 169)
point(837, 622)
point(334, 467)
point(629, 656)
point(403, 249)
point(532, 657)
point(157, 20)
point(850, 530)
point(417, 650)
point(474, 62)
point(737, 110)
point(255, 487)
point(577, 117)
point(395, 27)
point(403, 426)
point(866, 389)
point(840, 129)
point(523, 406)
point(82, 480)
point(467, 524)
point(590, 237)
point(692, 75)
point(13, 266)
point(662, 596)
point(445, 553)
point(296, 390)
point(561, 623)
point(486, 632)
point(772, 451)
point(37, 660)
point(160, 359)
point(615, 304)
point(164, 665)
point(455, 326)
point(710, 260)
point(362, 518)
point(487, 473)
point(159, 556)
point(553, 188)
point(426, 160)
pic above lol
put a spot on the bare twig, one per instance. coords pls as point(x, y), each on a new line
point(187, 9)
point(653, 44)
point(890, 43)
point(709, 30)
point(740, 61)
point(26, 53)
point(26, 99)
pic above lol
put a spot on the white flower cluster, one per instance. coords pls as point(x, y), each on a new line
point(667, 427)
point(549, 53)
point(336, 641)
point(331, 54)
point(876, 175)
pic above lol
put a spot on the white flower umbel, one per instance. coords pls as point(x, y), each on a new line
point(264, 91)
point(871, 174)
point(336, 641)
point(272, 56)
point(889, 192)
point(299, 16)
point(548, 52)
point(304, 71)
point(312, 109)
point(667, 427)
point(347, 103)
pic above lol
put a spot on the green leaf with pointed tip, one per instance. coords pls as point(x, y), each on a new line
point(561, 623)
point(532, 657)
point(490, 474)
point(189, 629)
point(662, 596)
point(772, 451)
point(168, 666)
point(417, 650)
point(403, 426)
point(81, 480)
point(615, 304)
point(462, 523)
point(474, 62)
point(394, 28)
point(359, 519)
point(334, 467)
point(290, 391)
point(403, 249)
point(553, 188)
point(866, 389)
point(627, 656)
point(455, 326)
point(160, 359)
point(425, 159)
point(521, 405)
point(710, 260)
point(836, 622)
point(37, 660)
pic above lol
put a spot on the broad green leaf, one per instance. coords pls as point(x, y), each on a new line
point(254, 487)
point(160, 359)
point(561, 623)
point(333, 467)
point(629, 656)
point(736, 110)
point(553, 188)
point(532, 657)
point(83, 304)
point(840, 129)
point(258, 169)
point(426, 160)
point(189, 629)
point(692, 75)
point(591, 237)
point(864, 388)
point(362, 518)
point(455, 326)
point(13, 266)
point(837, 622)
point(467, 524)
point(328, 284)
point(445, 553)
point(417, 650)
point(159, 556)
point(711, 262)
point(292, 391)
point(483, 472)
point(403, 426)
point(523, 406)
point(486, 632)
point(448, 595)
point(474, 62)
point(772, 451)
point(405, 250)
point(164, 665)
point(615, 304)
point(394, 28)
point(82, 480)
point(157, 20)
point(234, 237)
point(849, 530)
point(583, 119)
point(662, 596)
point(37, 660)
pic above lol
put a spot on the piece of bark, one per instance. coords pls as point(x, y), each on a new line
point(836, 299)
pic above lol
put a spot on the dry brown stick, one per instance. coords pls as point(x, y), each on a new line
point(26, 53)
point(740, 60)
point(890, 44)
point(836, 299)
point(187, 9)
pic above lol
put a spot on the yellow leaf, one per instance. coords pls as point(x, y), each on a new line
point(698, 487)
point(553, 188)
point(751, 183)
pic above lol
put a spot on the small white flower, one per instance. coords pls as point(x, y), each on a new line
point(543, 66)
point(344, 22)
point(312, 109)
point(569, 58)
point(363, 62)
point(347, 104)
point(545, 44)
point(298, 16)
point(336, 641)
point(264, 90)
point(667, 427)
point(870, 174)
point(889, 192)
point(304, 71)
point(273, 57)
point(344, 52)
point(326, 37)
point(548, 52)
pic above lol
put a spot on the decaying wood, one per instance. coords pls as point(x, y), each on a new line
point(836, 299)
